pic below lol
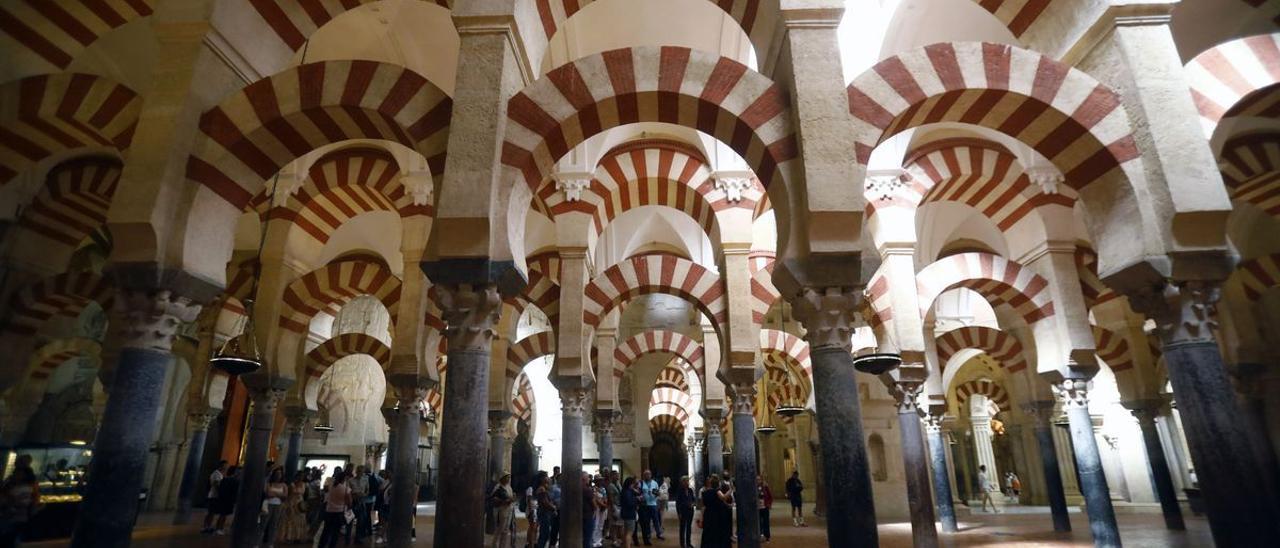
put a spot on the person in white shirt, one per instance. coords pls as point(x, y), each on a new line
point(986, 487)
point(214, 479)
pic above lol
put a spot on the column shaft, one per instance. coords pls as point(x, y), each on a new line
point(462, 449)
point(573, 403)
point(606, 449)
point(191, 469)
point(744, 476)
point(293, 453)
point(715, 451)
point(245, 530)
point(1160, 470)
point(923, 531)
point(404, 481)
point(1053, 477)
point(941, 483)
point(851, 518)
point(1093, 482)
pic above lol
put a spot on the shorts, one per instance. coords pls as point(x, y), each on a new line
point(629, 526)
point(797, 503)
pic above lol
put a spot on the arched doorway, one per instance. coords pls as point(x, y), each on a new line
point(667, 458)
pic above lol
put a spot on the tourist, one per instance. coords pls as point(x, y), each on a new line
point(795, 494)
point(215, 477)
point(19, 500)
point(628, 510)
point(228, 489)
point(556, 493)
point(293, 527)
point(717, 516)
point(360, 490)
point(664, 496)
point(614, 491)
point(274, 493)
point(649, 510)
point(601, 508)
point(588, 509)
point(685, 499)
point(315, 502)
point(985, 487)
point(548, 511)
point(765, 502)
point(337, 503)
point(502, 500)
point(531, 511)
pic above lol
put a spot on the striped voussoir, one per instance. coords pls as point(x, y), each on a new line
point(658, 273)
point(1017, 15)
point(1113, 349)
point(347, 344)
point(1258, 275)
point(58, 30)
point(679, 398)
point(74, 200)
point(434, 401)
point(49, 357)
point(554, 13)
point(977, 173)
point(523, 402)
point(1250, 165)
point(993, 391)
point(1003, 347)
point(999, 280)
point(788, 349)
point(543, 287)
point(329, 287)
point(294, 21)
point(1237, 78)
point(672, 376)
point(53, 113)
point(1095, 292)
point(257, 131)
point(668, 418)
point(786, 394)
point(676, 85)
point(1070, 118)
point(877, 304)
point(761, 259)
point(530, 348)
point(656, 340)
point(65, 294)
point(763, 294)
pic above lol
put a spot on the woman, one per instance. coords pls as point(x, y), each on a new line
point(684, 510)
point(765, 503)
point(502, 500)
point(601, 500)
point(628, 509)
point(336, 503)
point(19, 500)
point(531, 512)
point(293, 528)
point(716, 516)
point(547, 510)
point(274, 493)
point(315, 502)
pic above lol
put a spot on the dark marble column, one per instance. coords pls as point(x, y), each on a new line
point(938, 465)
point(199, 422)
point(296, 421)
point(266, 395)
point(1146, 412)
point(573, 406)
point(715, 449)
point(699, 468)
point(470, 313)
point(820, 487)
point(406, 422)
point(498, 447)
point(145, 322)
point(1218, 438)
point(389, 414)
point(828, 317)
point(1042, 413)
point(1093, 482)
point(744, 465)
point(604, 420)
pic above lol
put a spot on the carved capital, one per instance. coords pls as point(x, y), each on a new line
point(733, 187)
point(470, 312)
point(713, 429)
point(418, 185)
point(906, 395)
point(574, 401)
point(266, 401)
point(296, 419)
point(498, 421)
point(743, 398)
point(1074, 393)
point(200, 420)
point(1146, 411)
point(1184, 312)
point(1042, 412)
point(150, 319)
point(933, 423)
point(1046, 177)
point(605, 420)
point(699, 444)
point(828, 315)
point(572, 185)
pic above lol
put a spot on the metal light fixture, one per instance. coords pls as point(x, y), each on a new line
point(237, 357)
point(876, 363)
point(767, 429)
point(789, 410)
point(323, 428)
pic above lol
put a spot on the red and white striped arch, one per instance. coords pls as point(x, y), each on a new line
point(523, 402)
point(329, 287)
point(294, 21)
point(49, 357)
point(554, 13)
point(257, 131)
point(672, 376)
point(761, 259)
point(1237, 78)
point(652, 341)
point(528, 349)
point(789, 349)
point(1000, 345)
point(52, 113)
point(1095, 292)
point(434, 401)
point(58, 30)
point(665, 395)
point(877, 304)
point(979, 174)
point(1250, 165)
point(668, 419)
point(65, 295)
point(995, 393)
point(1113, 349)
point(1063, 113)
point(788, 394)
point(676, 85)
point(74, 200)
point(347, 344)
point(763, 294)
point(543, 288)
point(656, 273)
point(1258, 275)
point(999, 280)
point(1017, 15)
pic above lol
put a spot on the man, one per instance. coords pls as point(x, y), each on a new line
point(359, 484)
point(648, 510)
point(548, 510)
point(795, 493)
point(614, 492)
point(765, 503)
point(502, 500)
point(556, 492)
point(219, 472)
point(985, 487)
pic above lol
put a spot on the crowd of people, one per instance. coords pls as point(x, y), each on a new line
point(349, 505)
point(626, 512)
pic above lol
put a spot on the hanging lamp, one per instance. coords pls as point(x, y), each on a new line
point(241, 358)
point(762, 399)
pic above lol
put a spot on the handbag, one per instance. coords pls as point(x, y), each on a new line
point(349, 516)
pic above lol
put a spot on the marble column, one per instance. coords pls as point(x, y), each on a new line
point(573, 407)
point(1146, 412)
point(1093, 482)
point(938, 465)
point(715, 449)
point(406, 421)
point(296, 421)
point(604, 420)
point(199, 421)
point(470, 313)
point(828, 317)
point(498, 443)
point(746, 498)
point(924, 533)
point(144, 322)
point(1042, 413)
point(699, 469)
point(982, 448)
point(1217, 436)
point(266, 395)
point(820, 487)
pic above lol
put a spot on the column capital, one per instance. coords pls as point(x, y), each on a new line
point(906, 394)
point(1145, 410)
point(470, 313)
point(1184, 312)
point(1041, 412)
point(828, 315)
point(297, 418)
point(713, 428)
point(575, 401)
point(933, 423)
point(1074, 393)
point(200, 419)
point(604, 420)
point(498, 421)
point(743, 396)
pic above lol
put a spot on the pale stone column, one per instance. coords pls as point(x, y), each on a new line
point(406, 421)
point(938, 463)
point(1146, 412)
point(981, 427)
point(199, 421)
point(574, 403)
point(145, 320)
point(266, 394)
point(906, 393)
point(470, 312)
point(499, 450)
point(1042, 413)
point(604, 421)
point(1218, 439)
point(744, 464)
point(1093, 482)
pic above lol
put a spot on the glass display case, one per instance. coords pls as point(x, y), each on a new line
point(61, 474)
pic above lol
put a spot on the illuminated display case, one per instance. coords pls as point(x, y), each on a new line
point(61, 474)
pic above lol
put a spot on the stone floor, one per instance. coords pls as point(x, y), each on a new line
point(1026, 527)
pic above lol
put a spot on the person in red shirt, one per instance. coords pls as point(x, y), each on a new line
point(766, 502)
